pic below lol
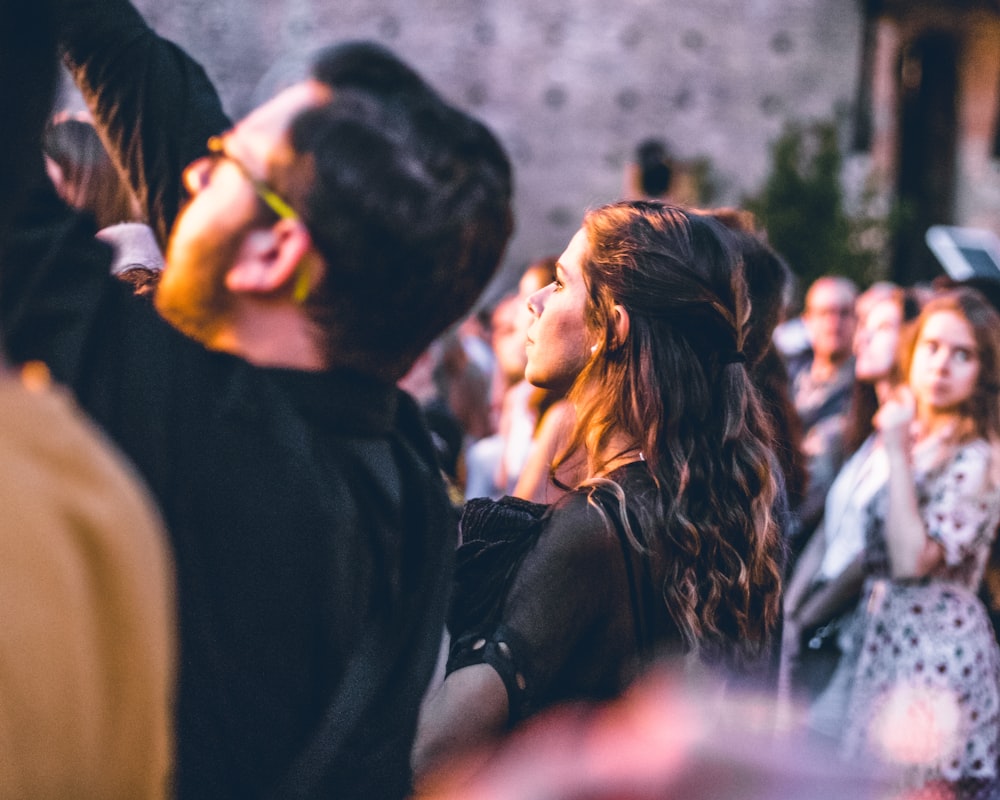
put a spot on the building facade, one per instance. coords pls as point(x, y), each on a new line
point(571, 87)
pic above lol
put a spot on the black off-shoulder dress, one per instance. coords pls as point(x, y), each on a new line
point(557, 599)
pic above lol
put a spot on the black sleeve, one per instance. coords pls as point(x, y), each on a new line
point(568, 590)
point(55, 282)
point(154, 105)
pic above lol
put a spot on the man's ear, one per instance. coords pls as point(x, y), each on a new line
point(622, 324)
point(268, 260)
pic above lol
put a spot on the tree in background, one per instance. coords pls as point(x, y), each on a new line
point(802, 208)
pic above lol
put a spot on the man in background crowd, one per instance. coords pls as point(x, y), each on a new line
point(822, 386)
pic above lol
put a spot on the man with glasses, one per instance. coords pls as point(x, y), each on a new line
point(822, 387)
point(86, 587)
point(313, 250)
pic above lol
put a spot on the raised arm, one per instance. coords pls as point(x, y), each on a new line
point(912, 553)
point(153, 104)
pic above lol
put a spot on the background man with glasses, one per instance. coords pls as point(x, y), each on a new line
point(821, 390)
point(313, 250)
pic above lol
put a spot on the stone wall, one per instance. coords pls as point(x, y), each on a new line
point(570, 87)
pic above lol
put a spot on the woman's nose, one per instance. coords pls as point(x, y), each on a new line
point(942, 359)
point(536, 301)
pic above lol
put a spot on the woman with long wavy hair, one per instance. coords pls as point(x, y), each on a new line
point(667, 545)
point(84, 174)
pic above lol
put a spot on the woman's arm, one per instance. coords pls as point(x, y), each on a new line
point(805, 610)
point(912, 553)
point(805, 570)
point(468, 710)
point(833, 598)
point(571, 587)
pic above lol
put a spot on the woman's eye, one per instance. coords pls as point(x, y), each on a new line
point(962, 356)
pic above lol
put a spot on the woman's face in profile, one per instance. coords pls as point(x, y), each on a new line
point(510, 327)
point(877, 340)
point(559, 344)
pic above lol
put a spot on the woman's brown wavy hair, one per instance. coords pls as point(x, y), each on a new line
point(676, 386)
point(90, 181)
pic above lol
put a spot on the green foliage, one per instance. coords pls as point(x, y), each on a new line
point(801, 206)
point(706, 180)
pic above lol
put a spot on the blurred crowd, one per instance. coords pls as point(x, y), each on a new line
point(294, 512)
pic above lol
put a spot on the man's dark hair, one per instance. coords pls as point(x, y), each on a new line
point(408, 203)
point(655, 172)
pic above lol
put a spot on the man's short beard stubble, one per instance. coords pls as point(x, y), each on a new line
point(192, 295)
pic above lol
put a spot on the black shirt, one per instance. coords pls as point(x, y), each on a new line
point(583, 612)
point(310, 528)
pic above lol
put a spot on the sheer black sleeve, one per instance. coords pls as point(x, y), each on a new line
point(566, 619)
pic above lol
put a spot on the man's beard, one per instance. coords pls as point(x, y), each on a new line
point(192, 294)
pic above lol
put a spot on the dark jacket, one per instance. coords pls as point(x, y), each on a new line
point(310, 527)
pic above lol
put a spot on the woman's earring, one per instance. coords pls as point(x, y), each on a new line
point(593, 349)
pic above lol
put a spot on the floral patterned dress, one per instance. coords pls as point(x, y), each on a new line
point(918, 686)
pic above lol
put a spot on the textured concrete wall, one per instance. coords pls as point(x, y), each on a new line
point(570, 87)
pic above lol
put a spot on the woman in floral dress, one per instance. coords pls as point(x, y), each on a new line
point(917, 686)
